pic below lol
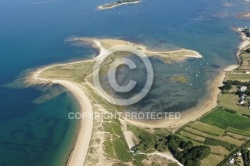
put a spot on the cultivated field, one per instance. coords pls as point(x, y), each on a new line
point(231, 101)
point(221, 130)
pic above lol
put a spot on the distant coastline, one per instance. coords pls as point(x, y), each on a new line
point(244, 42)
point(117, 3)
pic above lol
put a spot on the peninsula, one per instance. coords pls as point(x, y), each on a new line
point(117, 3)
point(111, 138)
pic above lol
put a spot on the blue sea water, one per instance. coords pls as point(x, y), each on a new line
point(32, 34)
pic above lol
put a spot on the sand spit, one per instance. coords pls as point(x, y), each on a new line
point(106, 47)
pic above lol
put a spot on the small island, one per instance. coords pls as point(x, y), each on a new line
point(117, 3)
point(245, 15)
point(179, 79)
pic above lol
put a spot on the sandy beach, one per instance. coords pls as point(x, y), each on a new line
point(80, 150)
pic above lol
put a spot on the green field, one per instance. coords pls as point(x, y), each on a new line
point(212, 160)
point(223, 119)
point(238, 131)
point(241, 77)
point(230, 101)
point(206, 128)
point(245, 62)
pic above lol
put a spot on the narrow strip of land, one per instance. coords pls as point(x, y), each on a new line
point(80, 150)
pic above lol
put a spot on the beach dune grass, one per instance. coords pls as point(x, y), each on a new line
point(121, 151)
point(108, 148)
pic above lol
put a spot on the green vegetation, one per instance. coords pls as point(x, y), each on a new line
point(140, 157)
point(217, 134)
point(184, 151)
point(246, 31)
point(137, 131)
point(117, 129)
point(230, 111)
point(189, 155)
point(246, 115)
point(246, 156)
point(147, 143)
point(248, 50)
point(173, 164)
point(238, 131)
point(223, 119)
point(206, 128)
point(212, 160)
point(121, 151)
point(214, 142)
point(115, 145)
point(108, 148)
point(226, 86)
point(229, 101)
point(238, 77)
point(229, 83)
point(241, 149)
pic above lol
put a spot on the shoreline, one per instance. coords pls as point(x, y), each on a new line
point(102, 7)
point(190, 114)
point(206, 106)
point(80, 149)
point(244, 43)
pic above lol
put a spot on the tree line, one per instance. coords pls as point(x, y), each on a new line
point(184, 151)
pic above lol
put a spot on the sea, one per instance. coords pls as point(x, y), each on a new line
point(34, 125)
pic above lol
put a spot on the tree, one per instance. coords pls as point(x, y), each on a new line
point(186, 145)
point(248, 50)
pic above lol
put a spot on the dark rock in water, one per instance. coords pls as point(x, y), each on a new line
point(162, 41)
point(215, 66)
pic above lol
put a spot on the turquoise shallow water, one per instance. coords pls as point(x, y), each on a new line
point(33, 35)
